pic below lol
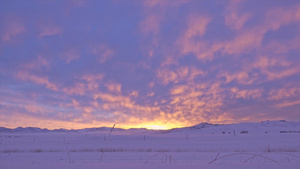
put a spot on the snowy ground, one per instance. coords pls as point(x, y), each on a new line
point(266, 145)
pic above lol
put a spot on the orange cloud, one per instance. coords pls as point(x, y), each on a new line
point(169, 60)
point(252, 38)
point(92, 77)
point(78, 89)
point(287, 103)
point(150, 26)
point(287, 91)
point(112, 98)
point(273, 75)
point(26, 76)
point(280, 16)
point(103, 52)
point(167, 76)
point(151, 94)
point(37, 64)
point(113, 87)
point(283, 67)
point(272, 67)
point(119, 102)
point(245, 40)
point(280, 48)
point(93, 81)
point(70, 55)
point(250, 93)
point(35, 109)
point(178, 89)
point(88, 82)
point(134, 94)
point(196, 28)
point(241, 77)
point(49, 30)
point(85, 110)
point(11, 30)
point(249, 39)
point(264, 62)
point(180, 74)
point(192, 102)
point(233, 18)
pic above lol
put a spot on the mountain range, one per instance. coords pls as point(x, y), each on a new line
point(211, 128)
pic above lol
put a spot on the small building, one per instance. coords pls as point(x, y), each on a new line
point(244, 132)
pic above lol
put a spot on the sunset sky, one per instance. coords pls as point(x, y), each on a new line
point(154, 64)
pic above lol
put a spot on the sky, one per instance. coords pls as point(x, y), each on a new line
point(154, 64)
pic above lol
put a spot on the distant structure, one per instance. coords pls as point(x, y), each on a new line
point(244, 132)
point(289, 131)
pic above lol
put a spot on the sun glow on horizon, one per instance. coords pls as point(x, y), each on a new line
point(156, 127)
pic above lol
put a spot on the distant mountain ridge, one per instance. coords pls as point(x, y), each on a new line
point(36, 129)
point(279, 123)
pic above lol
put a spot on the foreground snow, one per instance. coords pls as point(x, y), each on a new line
point(249, 145)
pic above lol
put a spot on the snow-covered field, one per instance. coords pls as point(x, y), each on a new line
point(269, 144)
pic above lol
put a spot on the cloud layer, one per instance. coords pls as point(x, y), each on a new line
point(155, 64)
